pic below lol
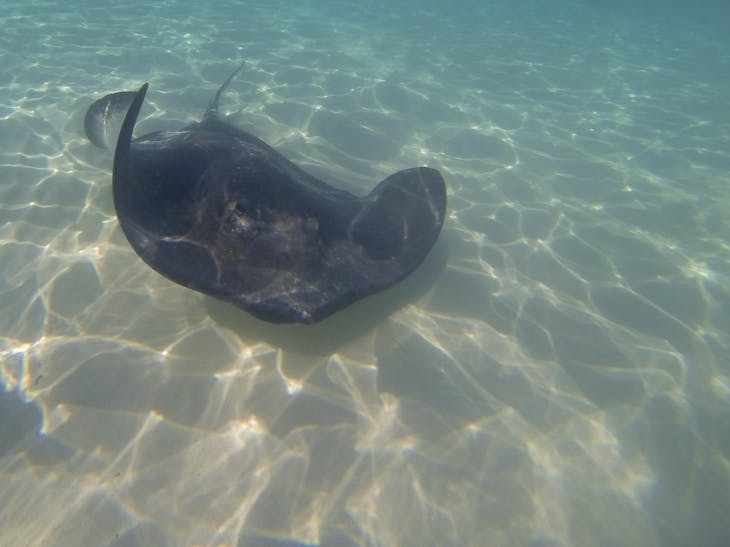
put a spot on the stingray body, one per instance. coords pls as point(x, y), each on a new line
point(217, 210)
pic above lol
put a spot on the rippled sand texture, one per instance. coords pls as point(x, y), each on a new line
point(555, 374)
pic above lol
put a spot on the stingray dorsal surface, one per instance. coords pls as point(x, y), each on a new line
point(216, 209)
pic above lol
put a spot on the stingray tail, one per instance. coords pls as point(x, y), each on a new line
point(212, 110)
point(403, 217)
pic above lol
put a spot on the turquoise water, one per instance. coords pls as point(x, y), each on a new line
point(557, 372)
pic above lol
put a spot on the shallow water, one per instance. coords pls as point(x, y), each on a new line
point(556, 373)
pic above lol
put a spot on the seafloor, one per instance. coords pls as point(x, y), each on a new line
point(556, 373)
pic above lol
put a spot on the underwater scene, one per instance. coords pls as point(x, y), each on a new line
point(552, 368)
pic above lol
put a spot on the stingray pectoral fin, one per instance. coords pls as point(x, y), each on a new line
point(104, 118)
point(123, 172)
point(402, 217)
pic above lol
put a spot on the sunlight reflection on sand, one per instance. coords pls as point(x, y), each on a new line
point(551, 375)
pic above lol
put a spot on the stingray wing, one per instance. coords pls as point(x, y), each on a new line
point(104, 118)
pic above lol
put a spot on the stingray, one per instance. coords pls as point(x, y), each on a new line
point(217, 210)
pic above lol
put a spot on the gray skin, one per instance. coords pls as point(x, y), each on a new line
point(217, 210)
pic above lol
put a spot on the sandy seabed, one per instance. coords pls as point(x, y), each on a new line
point(556, 373)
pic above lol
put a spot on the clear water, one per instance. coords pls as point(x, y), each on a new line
point(557, 373)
